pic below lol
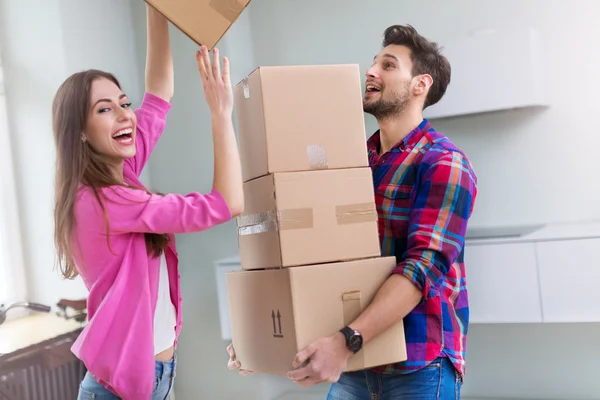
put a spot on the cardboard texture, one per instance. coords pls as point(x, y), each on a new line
point(203, 21)
point(276, 313)
point(300, 118)
point(312, 217)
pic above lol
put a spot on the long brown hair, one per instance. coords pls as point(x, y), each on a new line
point(78, 163)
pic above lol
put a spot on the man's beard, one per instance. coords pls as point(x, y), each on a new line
point(383, 109)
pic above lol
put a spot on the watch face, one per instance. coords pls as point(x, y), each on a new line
point(355, 343)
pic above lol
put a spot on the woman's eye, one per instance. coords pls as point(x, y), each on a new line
point(126, 105)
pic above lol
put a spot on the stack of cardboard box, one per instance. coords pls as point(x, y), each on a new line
point(308, 238)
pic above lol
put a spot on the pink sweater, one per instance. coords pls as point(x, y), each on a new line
point(117, 343)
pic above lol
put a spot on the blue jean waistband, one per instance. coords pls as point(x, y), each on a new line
point(166, 368)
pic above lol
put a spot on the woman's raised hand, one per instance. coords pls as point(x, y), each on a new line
point(216, 83)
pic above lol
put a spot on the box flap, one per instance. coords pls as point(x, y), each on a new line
point(327, 297)
point(316, 111)
point(262, 320)
point(339, 206)
point(258, 231)
point(249, 112)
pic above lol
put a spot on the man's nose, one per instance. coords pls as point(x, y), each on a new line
point(372, 72)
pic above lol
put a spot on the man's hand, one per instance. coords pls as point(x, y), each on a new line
point(322, 361)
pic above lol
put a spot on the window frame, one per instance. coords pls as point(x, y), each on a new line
point(13, 287)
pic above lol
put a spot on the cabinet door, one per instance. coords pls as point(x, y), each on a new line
point(569, 280)
point(503, 283)
point(222, 267)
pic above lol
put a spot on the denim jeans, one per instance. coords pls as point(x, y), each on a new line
point(163, 384)
point(438, 381)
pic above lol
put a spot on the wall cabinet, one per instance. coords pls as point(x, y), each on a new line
point(485, 76)
point(538, 281)
point(569, 280)
point(503, 283)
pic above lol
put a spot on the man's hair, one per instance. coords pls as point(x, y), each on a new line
point(426, 58)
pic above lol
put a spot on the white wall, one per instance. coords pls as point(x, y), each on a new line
point(40, 49)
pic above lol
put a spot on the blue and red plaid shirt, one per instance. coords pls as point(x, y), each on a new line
point(425, 190)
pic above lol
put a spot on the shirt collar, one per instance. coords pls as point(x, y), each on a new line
point(374, 142)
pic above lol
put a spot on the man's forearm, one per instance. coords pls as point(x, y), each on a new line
point(397, 297)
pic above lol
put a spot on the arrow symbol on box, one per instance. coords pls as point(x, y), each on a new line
point(276, 324)
point(279, 321)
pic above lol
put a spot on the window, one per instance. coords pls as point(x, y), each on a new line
point(12, 273)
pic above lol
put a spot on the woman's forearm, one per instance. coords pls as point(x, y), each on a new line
point(159, 60)
point(228, 170)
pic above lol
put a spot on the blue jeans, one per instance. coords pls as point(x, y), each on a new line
point(163, 384)
point(438, 381)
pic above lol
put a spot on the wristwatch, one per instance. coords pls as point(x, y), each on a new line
point(354, 340)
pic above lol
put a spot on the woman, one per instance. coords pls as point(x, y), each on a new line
point(118, 236)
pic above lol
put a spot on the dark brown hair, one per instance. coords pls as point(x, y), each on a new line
point(77, 163)
point(426, 58)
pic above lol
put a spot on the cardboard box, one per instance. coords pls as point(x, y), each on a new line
point(312, 217)
point(300, 118)
point(203, 21)
point(276, 313)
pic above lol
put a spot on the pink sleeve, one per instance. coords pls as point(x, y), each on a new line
point(132, 210)
point(151, 120)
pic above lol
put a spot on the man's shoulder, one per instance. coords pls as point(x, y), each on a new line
point(440, 143)
point(440, 147)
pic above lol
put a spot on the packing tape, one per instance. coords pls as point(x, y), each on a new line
point(272, 221)
point(356, 213)
point(299, 218)
point(302, 218)
point(229, 9)
point(351, 302)
point(251, 224)
point(317, 157)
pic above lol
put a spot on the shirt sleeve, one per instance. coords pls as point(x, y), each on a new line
point(132, 210)
point(151, 119)
point(438, 222)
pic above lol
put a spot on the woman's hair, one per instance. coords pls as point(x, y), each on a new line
point(78, 163)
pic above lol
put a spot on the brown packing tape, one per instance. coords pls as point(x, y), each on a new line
point(229, 9)
point(272, 221)
point(356, 213)
point(299, 218)
point(317, 157)
point(351, 302)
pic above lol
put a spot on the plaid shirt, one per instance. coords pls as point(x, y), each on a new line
point(425, 189)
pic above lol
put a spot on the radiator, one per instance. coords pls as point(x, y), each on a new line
point(48, 371)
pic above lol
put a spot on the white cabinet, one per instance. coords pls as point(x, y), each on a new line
point(569, 280)
point(493, 70)
point(503, 284)
point(222, 267)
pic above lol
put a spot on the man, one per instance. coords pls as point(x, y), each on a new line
point(425, 190)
